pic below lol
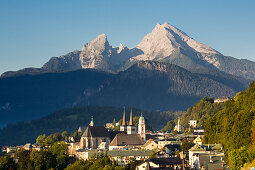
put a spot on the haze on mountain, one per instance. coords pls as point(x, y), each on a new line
point(165, 43)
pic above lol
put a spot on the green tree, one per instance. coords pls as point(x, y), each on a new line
point(152, 154)
point(41, 140)
point(186, 145)
point(7, 163)
point(64, 135)
point(238, 157)
point(169, 126)
point(23, 159)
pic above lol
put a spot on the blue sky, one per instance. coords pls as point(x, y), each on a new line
point(32, 31)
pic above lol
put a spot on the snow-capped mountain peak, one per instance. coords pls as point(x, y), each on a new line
point(165, 43)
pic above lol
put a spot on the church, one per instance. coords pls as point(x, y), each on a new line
point(130, 128)
point(95, 136)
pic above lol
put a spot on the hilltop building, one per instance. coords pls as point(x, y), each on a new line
point(193, 123)
point(221, 99)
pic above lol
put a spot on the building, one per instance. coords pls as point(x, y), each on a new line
point(164, 142)
point(122, 141)
point(199, 131)
point(94, 136)
point(142, 128)
point(161, 163)
point(27, 146)
point(193, 123)
point(123, 126)
point(150, 145)
point(198, 141)
point(214, 150)
point(221, 99)
point(131, 129)
point(179, 128)
point(123, 157)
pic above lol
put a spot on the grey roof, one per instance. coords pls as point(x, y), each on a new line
point(204, 160)
point(115, 153)
point(125, 139)
point(96, 131)
point(166, 161)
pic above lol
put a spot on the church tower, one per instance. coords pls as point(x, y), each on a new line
point(91, 122)
point(131, 129)
point(123, 126)
point(141, 127)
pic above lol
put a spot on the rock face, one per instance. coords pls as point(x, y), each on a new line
point(165, 43)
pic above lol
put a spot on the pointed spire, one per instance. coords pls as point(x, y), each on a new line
point(131, 118)
point(91, 122)
point(124, 118)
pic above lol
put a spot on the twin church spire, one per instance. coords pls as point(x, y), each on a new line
point(124, 118)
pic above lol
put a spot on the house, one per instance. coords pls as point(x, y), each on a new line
point(123, 157)
point(122, 140)
point(199, 131)
point(198, 141)
point(196, 151)
point(27, 146)
point(221, 99)
point(161, 163)
point(172, 148)
point(94, 136)
point(72, 147)
point(150, 145)
point(193, 123)
point(10, 149)
point(212, 162)
point(162, 143)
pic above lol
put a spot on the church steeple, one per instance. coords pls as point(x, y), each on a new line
point(91, 122)
point(124, 118)
point(131, 118)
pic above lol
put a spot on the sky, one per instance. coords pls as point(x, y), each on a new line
point(32, 31)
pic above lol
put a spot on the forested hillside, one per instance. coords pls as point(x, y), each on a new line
point(201, 111)
point(70, 119)
point(234, 127)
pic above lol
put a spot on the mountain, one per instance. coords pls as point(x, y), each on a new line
point(160, 86)
point(33, 96)
point(165, 43)
point(146, 85)
point(71, 118)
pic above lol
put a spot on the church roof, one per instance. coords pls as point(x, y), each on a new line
point(96, 131)
point(125, 139)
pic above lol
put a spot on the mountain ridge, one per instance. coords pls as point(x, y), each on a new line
point(165, 43)
point(147, 85)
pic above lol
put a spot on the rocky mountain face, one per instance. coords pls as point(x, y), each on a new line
point(165, 43)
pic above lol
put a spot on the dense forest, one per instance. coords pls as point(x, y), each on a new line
point(201, 111)
point(70, 120)
point(234, 127)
